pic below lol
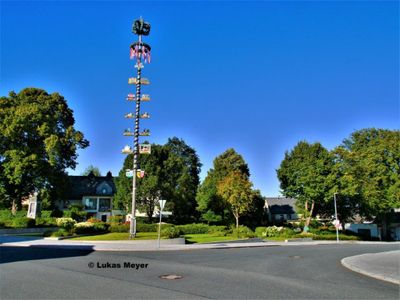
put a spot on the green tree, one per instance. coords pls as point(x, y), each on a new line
point(371, 160)
point(38, 142)
point(302, 175)
point(183, 167)
point(172, 173)
point(209, 203)
point(91, 169)
point(236, 190)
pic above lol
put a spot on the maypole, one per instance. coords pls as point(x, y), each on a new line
point(141, 52)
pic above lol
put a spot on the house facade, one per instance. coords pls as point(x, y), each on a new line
point(280, 209)
point(94, 193)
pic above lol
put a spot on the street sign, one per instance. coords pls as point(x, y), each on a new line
point(140, 173)
point(162, 203)
point(129, 173)
point(145, 149)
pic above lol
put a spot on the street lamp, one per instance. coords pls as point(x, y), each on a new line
point(141, 52)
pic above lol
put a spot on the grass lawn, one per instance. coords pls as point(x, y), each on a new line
point(209, 238)
point(118, 236)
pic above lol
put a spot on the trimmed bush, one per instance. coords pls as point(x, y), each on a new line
point(171, 232)
point(45, 222)
point(243, 232)
point(46, 214)
point(142, 227)
point(116, 219)
point(119, 228)
point(23, 222)
point(274, 231)
point(66, 223)
point(193, 228)
point(217, 230)
point(333, 237)
point(61, 232)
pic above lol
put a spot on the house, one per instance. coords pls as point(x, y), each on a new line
point(280, 209)
point(94, 193)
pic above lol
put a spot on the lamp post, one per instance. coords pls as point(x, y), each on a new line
point(141, 52)
point(336, 219)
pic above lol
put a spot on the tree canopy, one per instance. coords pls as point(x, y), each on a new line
point(212, 205)
point(302, 175)
point(91, 169)
point(38, 142)
point(172, 173)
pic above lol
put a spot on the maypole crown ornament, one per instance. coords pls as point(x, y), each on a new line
point(140, 27)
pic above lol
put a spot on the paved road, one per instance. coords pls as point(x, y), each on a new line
point(296, 272)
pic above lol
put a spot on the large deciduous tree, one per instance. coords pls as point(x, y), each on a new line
point(212, 206)
point(371, 159)
point(38, 141)
point(302, 175)
point(171, 173)
point(236, 190)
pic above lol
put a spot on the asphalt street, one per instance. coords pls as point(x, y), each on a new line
point(279, 272)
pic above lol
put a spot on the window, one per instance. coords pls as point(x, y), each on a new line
point(90, 203)
point(104, 204)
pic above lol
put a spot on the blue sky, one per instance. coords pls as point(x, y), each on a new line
point(254, 76)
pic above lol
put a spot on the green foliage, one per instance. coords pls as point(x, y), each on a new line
point(332, 236)
point(61, 232)
point(302, 175)
point(193, 228)
point(146, 227)
point(172, 173)
point(23, 222)
point(171, 232)
point(91, 169)
point(217, 230)
point(207, 196)
point(66, 223)
point(119, 228)
point(116, 219)
point(76, 212)
point(274, 231)
point(38, 142)
point(90, 227)
point(236, 190)
point(242, 232)
point(211, 217)
point(45, 222)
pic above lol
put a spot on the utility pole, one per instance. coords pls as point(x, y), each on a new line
point(141, 52)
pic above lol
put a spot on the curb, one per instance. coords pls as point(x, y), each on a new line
point(346, 262)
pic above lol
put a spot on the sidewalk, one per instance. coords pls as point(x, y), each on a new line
point(152, 245)
point(383, 266)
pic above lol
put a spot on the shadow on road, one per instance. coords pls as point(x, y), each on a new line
point(10, 254)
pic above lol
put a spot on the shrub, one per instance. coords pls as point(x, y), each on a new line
point(2, 224)
point(116, 219)
point(274, 231)
point(23, 222)
point(66, 223)
point(242, 232)
point(217, 230)
point(333, 237)
point(171, 232)
point(101, 227)
point(44, 222)
point(260, 231)
point(84, 227)
point(193, 228)
point(60, 232)
point(46, 214)
point(119, 228)
point(142, 227)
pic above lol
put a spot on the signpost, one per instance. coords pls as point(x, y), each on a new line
point(162, 204)
point(337, 223)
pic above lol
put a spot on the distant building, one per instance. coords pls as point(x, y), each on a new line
point(94, 193)
point(280, 209)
